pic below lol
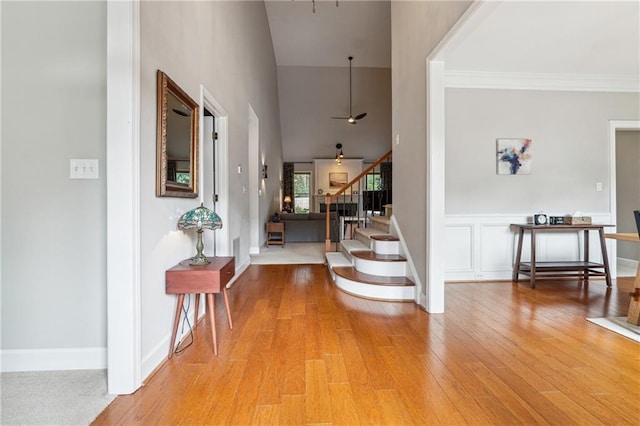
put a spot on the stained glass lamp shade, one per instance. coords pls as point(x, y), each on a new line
point(200, 218)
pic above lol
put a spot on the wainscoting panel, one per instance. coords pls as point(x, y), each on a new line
point(458, 249)
point(496, 249)
point(484, 247)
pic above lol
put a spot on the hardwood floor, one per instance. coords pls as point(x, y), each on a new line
point(302, 352)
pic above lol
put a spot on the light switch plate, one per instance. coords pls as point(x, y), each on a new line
point(83, 169)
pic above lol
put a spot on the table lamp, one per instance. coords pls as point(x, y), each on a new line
point(200, 218)
point(287, 202)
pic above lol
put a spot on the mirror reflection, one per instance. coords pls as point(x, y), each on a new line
point(177, 141)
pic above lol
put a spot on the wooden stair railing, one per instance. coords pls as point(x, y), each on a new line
point(329, 198)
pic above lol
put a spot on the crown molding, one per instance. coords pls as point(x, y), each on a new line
point(531, 81)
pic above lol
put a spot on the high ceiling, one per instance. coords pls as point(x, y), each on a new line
point(568, 37)
point(326, 38)
point(588, 38)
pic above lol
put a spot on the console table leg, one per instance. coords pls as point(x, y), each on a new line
point(226, 303)
point(533, 259)
point(605, 258)
point(516, 269)
point(212, 320)
point(195, 315)
point(175, 324)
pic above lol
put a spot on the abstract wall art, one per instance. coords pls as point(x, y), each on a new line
point(514, 156)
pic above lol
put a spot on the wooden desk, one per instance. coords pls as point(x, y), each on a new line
point(633, 316)
point(581, 269)
point(208, 279)
point(275, 233)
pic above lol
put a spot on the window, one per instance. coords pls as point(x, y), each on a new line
point(372, 181)
point(301, 192)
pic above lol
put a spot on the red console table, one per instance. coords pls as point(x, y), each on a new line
point(208, 279)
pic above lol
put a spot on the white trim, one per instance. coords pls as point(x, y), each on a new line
point(615, 125)
point(530, 81)
point(256, 183)
point(53, 359)
point(123, 197)
point(435, 186)
point(412, 273)
point(208, 101)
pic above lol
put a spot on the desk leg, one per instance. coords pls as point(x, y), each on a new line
point(533, 258)
point(212, 320)
point(195, 315)
point(226, 303)
point(605, 258)
point(175, 324)
point(516, 269)
point(585, 272)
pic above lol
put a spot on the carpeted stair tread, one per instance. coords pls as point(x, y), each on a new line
point(337, 259)
point(370, 255)
point(385, 220)
point(368, 232)
point(384, 237)
point(351, 245)
point(350, 273)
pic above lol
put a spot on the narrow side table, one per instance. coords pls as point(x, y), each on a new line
point(208, 279)
point(275, 233)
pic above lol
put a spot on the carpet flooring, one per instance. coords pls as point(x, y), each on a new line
point(618, 325)
point(53, 397)
point(290, 254)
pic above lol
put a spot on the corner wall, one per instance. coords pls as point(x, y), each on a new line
point(53, 228)
point(416, 28)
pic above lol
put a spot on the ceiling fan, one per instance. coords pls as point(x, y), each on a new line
point(351, 119)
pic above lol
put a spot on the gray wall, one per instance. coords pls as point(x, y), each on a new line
point(309, 96)
point(416, 29)
point(53, 228)
point(627, 189)
point(227, 47)
point(570, 149)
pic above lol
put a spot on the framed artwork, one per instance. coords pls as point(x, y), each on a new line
point(513, 156)
point(338, 180)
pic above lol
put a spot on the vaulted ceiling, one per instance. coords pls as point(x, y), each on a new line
point(599, 40)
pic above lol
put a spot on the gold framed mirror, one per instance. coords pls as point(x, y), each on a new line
point(176, 141)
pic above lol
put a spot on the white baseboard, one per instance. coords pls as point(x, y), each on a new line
point(53, 359)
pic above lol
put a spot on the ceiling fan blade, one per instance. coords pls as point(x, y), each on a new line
point(340, 118)
point(359, 116)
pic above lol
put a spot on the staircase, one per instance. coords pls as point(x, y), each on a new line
point(370, 265)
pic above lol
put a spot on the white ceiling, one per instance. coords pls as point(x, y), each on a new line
point(553, 37)
point(587, 38)
point(357, 28)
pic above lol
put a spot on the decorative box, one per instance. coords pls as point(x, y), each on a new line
point(577, 220)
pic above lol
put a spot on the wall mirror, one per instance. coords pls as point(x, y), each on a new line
point(176, 141)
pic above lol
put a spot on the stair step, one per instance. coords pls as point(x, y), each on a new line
point(380, 222)
point(368, 232)
point(335, 259)
point(384, 237)
point(385, 220)
point(370, 255)
point(350, 273)
point(351, 245)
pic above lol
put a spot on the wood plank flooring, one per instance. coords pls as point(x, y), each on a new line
point(302, 352)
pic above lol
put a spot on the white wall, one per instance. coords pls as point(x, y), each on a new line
point(416, 28)
point(570, 148)
point(53, 228)
point(628, 189)
point(569, 133)
point(227, 47)
point(310, 96)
